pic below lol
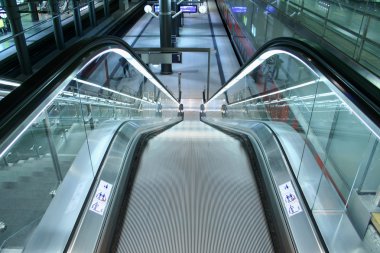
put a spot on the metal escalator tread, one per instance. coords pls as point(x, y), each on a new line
point(194, 191)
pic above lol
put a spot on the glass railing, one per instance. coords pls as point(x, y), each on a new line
point(348, 26)
point(333, 152)
point(35, 28)
point(108, 87)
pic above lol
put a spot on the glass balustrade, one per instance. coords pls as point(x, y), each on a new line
point(111, 87)
point(350, 26)
point(38, 22)
point(335, 151)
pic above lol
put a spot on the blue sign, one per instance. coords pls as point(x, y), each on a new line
point(270, 9)
point(189, 8)
point(239, 9)
point(183, 8)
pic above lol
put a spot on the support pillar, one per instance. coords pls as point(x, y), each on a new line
point(77, 18)
point(53, 151)
point(91, 12)
point(106, 8)
point(175, 24)
point(58, 33)
point(14, 17)
point(33, 10)
point(165, 31)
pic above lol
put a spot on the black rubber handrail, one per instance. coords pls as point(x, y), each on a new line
point(19, 104)
point(358, 89)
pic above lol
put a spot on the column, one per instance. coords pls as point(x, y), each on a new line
point(33, 10)
point(165, 31)
point(58, 33)
point(77, 18)
point(14, 17)
point(91, 12)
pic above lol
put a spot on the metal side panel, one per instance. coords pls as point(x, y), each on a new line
point(286, 197)
point(97, 220)
point(55, 227)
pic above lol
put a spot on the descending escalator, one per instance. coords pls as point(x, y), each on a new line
point(194, 191)
point(260, 185)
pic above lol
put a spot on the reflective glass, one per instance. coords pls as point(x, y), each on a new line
point(28, 178)
point(63, 141)
point(331, 145)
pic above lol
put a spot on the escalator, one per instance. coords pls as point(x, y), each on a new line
point(201, 196)
point(261, 179)
point(57, 127)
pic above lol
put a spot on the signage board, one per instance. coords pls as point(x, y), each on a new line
point(188, 8)
point(183, 8)
point(239, 9)
point(292, 204)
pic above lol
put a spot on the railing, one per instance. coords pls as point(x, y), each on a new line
point(349, 27)
point(55, 123)
point(37, 29)
point(330, 139)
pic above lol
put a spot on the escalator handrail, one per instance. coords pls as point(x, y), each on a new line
point(19, 104)
point(359, 89)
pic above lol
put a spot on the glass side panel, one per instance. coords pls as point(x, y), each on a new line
point(67, 131)
point(342, 25)
point(346, 41)
point(61, 142)
point(27, 179)
point(370, 58)
point(332, 147)
point(373, 26)
point(352, 22)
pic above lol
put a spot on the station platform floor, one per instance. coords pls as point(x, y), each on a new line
point(198, 31)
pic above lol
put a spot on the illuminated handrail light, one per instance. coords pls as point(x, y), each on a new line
point(9, 83)
point(139, 67)
point(277, 92)
point(88, 97)
point(110, 90)
point(26, 127)
point(254, 65)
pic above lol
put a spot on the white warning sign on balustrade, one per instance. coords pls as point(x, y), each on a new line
point(292, 204)
point(100, 200)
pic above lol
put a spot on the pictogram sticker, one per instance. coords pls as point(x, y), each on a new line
point(292, 204)
point(100, 200)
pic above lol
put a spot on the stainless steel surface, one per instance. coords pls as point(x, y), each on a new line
point(299, 227)
point(358, 213)
point(91, 233)
point(53, 232)
point(194, 192)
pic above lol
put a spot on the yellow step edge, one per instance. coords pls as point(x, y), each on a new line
point(376, 221)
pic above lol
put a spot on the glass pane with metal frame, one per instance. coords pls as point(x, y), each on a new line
point(336, 150)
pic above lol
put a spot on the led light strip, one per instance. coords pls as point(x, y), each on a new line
point(277, 92)
point(139, 67)
point(254, 65)
point(107, 89)
point(9, 83)
point(27, 126)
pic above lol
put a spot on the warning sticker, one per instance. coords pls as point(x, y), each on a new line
point(290, 199)
point(99, 202)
